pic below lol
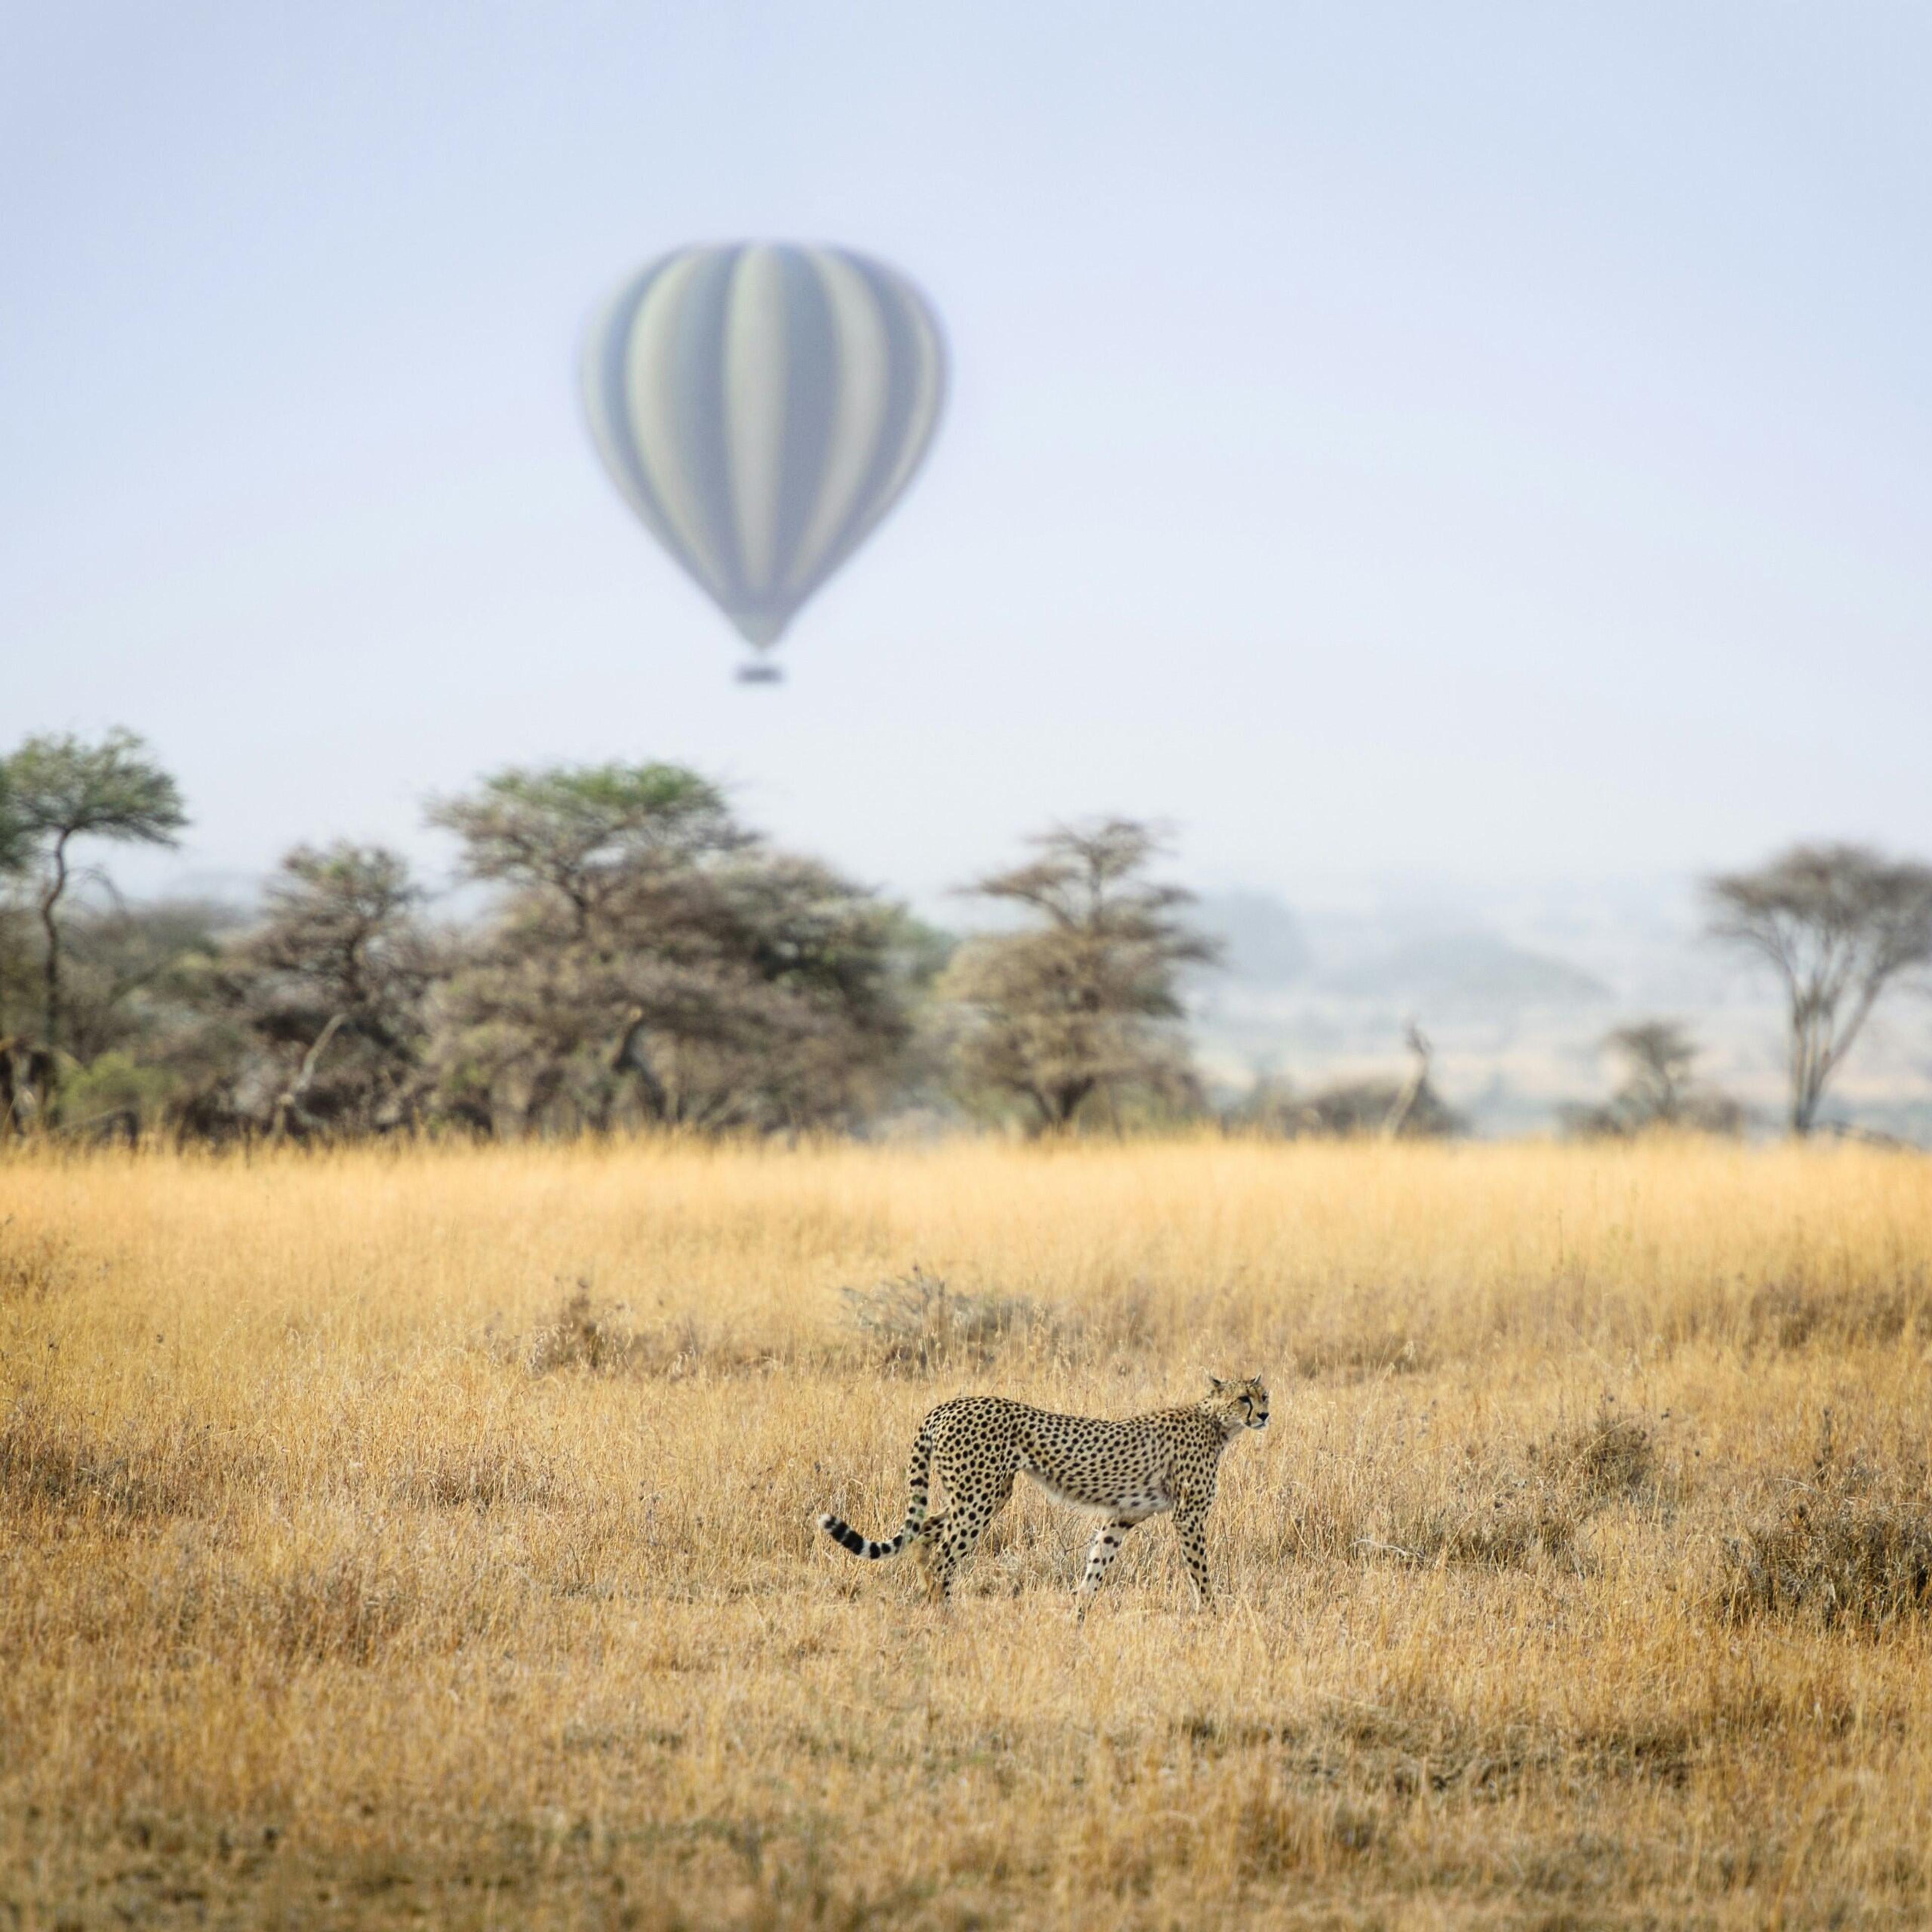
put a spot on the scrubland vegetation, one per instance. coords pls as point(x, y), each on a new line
point(387, 1533)
point(639, 958)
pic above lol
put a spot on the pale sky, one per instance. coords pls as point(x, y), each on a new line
point(1466, 442)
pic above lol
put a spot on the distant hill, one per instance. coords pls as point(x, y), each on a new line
point(1468, 972)
point(1266, 945)
point(1516, 988)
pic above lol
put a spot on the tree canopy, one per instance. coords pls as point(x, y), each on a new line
point(1074, 1005)
point(57, 789)
point(653, 960)
point(579, 831)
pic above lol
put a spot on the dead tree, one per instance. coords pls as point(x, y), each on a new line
point(1411, 1089)
point(288, 1108)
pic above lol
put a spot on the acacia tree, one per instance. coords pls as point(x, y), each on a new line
point(1657, 1056)
point(1839, 923)
point(580, 833)
point(1078, 1003)
point(318, 1014)
point(654, 962)
point(127, 969)
point(60, 789)
point(1659, 1087)
point(15, 849)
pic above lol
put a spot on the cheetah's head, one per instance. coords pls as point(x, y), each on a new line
point(1239, 1405)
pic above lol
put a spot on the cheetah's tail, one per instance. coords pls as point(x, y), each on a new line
point(918, 1479)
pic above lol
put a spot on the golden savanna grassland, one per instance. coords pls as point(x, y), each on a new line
point(427, 1534)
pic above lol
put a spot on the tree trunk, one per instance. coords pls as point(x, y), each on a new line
point(49, 899)
point(1808, 1066)
point(289, 1110)
point(1067, 1099)
point(545, 1085)
point(1411, 1090)
point(636, 1058)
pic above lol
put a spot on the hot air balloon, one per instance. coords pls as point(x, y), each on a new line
point(761, 407)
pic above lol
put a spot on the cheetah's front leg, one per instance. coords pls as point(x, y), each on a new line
point(1190, 1523)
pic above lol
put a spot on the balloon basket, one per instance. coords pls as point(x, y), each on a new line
point(759, 674)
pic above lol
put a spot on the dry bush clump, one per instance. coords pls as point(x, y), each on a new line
point(478, 1475)
point(593, 1337)
point(1506, 1511)
point(350, 1603)
point(1855, 1559)
point(1871, 1314)
point(585, 1334)
point(46, 1463)
point(1609, 1459)
point(343, 1611)
point(53, 1463)
point(1360, 1352)
point(1282, 1835)
point(349, 1609)
point(915, 1322)
point(361, 1562)
point(32, 1266)
point(1852, 1546)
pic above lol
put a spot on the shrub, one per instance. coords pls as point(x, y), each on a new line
point(1851, 1547)
point(1519, 1515)
point(583, 1335)
point(915, 1320)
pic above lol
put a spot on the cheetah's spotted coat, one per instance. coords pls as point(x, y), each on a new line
point(1129, 1470)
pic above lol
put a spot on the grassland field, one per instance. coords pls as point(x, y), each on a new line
point(425, 1535)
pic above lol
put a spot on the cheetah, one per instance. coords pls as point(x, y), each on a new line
point(1129, 1470)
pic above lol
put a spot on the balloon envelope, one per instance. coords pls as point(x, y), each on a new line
point(761, 407)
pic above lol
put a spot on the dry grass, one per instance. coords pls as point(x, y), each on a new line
point(394, 1535)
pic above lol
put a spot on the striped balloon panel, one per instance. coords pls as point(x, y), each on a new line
point(761, 407)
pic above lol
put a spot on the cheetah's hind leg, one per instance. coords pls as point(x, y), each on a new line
point(972, 1505)
point(924, 1551)
point(1101, 1552)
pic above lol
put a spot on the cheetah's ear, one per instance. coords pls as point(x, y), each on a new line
point(1215, 1383)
